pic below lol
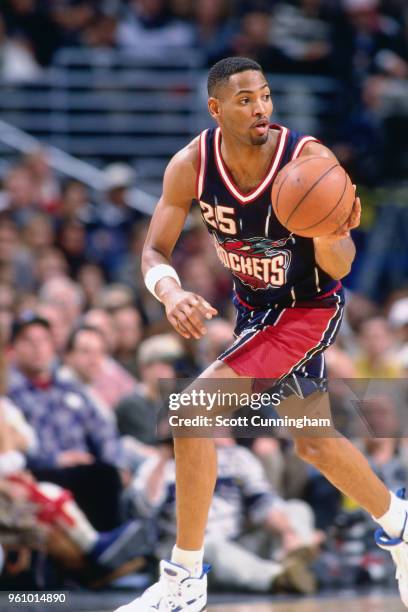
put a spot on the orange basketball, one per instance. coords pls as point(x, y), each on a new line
point(312, 196)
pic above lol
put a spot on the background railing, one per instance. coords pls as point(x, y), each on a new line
point(105, 106)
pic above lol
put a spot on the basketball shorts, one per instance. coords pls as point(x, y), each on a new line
point(275, 343)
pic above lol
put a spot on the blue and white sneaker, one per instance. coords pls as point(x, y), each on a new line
point(176, 591)
point(399, 552)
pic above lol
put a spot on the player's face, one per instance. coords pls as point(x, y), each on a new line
point(244, 107)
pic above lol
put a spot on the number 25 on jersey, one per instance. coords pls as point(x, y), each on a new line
point(219, 217)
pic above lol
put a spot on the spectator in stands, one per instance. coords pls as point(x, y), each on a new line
point(78, 449)
point(71, 18)
point(101, 31)
point(242, 497)
point(15, 268)
point(91, 279)
point(7, 305)
point(194, 253)
point(113, 382)
point(44, 181)
point(216, 340)
point(28, 19)
point(109, 232)
point(85, 353)
point(214, 28)
point(138, 412)
point(373, 43)
point(372, 56)
point(8, 296)
point(72, 242)
point(49, 265)
point(149, 25)
point(130, 272)
point(62, 529)
point(198, 277)
point(128, 326)
point(339, 363)
point(18, 64)
point(377, 350)
point(398, 319)
point(114, 296)
point(75, 202)
point(253, 39)
point(290, 38)
point(60, 326)
point(26, 301)
point(38, 234)
point(19, 198)
point(63, 292)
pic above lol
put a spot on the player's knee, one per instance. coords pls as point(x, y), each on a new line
point(316, 451)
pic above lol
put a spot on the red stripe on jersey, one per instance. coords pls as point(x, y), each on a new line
point(202, 163)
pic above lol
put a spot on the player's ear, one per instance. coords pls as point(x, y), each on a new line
point(214, 107)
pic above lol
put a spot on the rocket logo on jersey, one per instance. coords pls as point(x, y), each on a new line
point(258, 262)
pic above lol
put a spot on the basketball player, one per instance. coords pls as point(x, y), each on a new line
point(289, 300)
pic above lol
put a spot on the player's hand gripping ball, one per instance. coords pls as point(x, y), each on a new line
point(313, 196)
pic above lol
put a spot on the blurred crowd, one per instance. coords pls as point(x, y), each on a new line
point(86, 478)
point(361, 43)
point(289, 35)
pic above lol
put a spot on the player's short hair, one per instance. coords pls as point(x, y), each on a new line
point(225, 68)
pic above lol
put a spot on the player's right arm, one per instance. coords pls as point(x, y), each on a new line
point(185, 310)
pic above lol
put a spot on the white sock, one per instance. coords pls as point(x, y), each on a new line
point(394, 520)
point(190, 559)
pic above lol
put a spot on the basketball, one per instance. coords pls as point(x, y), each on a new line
point(312, 196)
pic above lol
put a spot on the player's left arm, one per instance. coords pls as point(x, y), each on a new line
point(335, 253)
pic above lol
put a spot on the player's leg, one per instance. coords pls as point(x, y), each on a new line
point(349, 471)
point(282, 343)
point(196, 469)
point(333, 455)
point(183, 580)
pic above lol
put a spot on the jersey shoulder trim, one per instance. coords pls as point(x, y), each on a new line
point(202, 163)
point(274, 165)
point(302, 142)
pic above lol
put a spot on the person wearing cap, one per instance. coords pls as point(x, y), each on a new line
point(137, 413)
point(78, 448)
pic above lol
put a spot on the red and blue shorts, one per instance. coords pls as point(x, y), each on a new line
point(277, 342)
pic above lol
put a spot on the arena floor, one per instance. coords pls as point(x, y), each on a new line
point(366, 604)
point(334, 603)
point(108, 601)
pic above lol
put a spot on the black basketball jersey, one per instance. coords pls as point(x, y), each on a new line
point(269, 264)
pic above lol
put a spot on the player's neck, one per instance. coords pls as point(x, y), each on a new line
point(243, 159)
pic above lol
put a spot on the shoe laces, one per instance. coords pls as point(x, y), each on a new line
point(173, 594)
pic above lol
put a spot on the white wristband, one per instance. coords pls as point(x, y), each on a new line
point(155, 274)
